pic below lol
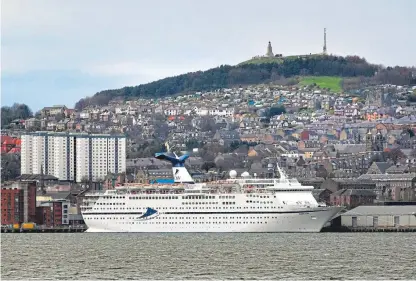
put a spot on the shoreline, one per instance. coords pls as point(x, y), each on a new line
point(46, 230)
point(325, 229)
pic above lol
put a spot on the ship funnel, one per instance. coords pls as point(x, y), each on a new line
point(180, 173)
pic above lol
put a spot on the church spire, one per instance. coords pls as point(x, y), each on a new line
point(269, 50)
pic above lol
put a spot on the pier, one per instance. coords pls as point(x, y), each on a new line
point(41, 229)
point(368, 229)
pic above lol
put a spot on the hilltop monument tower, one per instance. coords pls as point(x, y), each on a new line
point(269, 50)
point(324, 49)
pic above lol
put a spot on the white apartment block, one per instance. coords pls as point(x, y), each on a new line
point(171, 112)
point(26, 155)
point(73, 157)
point(221, 112)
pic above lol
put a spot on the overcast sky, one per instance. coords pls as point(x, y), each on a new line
point(56, 51)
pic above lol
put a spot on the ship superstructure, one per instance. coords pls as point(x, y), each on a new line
point(243, 204)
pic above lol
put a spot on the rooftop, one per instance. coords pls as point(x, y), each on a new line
point(381, 210)
point(36, 177)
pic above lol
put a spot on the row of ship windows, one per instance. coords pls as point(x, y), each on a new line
point(184, 218)
point(154, 197)
point(116, 203)
point(145, 197)
point(259, 202)
point(173, 197)
point(195, 222)
point(198, 203)
point(202, 197)
point(259, 196)
point(189, 208)
point(202, 203)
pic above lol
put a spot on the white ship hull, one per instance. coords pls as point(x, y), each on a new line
point(234, 205)
point(311, 221)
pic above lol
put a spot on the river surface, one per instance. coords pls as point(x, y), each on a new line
point(177, 256)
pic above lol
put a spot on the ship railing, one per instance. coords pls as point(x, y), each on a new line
point(144, 192)
point(134, 184)
point(150, 186)
point(290, 187)
point(95, 194)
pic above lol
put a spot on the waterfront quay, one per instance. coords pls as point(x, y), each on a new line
point(72, 229)
point(368, 229)
point(325, 229)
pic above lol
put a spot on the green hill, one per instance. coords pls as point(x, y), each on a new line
point(323, 82)
point(252, 72)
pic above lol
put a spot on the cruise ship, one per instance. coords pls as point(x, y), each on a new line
point(238, 204)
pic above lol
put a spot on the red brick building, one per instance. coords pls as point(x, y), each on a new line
point(352, 198)
point(53, 213)
point(18, 203)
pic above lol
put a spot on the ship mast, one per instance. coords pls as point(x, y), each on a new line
point(283, 175)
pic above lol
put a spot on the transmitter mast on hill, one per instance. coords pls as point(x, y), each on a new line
point(324, 50)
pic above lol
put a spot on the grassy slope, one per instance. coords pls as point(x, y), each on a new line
point(262, 60)
point(333, 83)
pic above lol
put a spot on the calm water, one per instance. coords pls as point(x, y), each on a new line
point(209, 256)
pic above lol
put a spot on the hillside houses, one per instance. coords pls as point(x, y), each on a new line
point(243, 119)
point(353, 149)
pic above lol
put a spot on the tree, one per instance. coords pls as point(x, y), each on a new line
point(411, 133)
point(395, 155)
point(208, 165)
point(10, 166)
point(145, 149)
point(412, 98)
point(234, 145)
point(16, 111)
point(22, 111)
point(207, 125)
point(209, 151)
point(191, 144)
point(275, 110)
point(322, 172)
point(85, 179)
point(6, 116)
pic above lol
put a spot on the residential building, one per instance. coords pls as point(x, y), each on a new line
point(73, 156)
point(53, 213)
point(53, 110)
point(18, 203)
point(352, 198)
